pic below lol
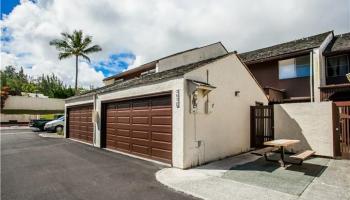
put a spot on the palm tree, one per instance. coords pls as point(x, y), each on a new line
point(75, 45)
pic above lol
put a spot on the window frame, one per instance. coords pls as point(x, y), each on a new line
point(295, 68)
point(347, 59)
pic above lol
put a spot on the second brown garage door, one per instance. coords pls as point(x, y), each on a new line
point(142, 127)
point(80, 124)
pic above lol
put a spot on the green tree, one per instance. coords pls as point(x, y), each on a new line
point(49, 85)
point(15, 80)
point(75, 44)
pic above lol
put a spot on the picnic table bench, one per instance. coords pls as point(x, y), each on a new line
point(281, 144)
point(302, 155)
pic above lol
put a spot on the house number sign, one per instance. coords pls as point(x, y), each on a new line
point(177, 96)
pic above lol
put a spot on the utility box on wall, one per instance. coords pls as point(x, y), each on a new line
point(209, 107)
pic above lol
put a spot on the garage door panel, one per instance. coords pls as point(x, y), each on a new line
point(111, 113)
point(161, 145)
point(161, 137)
point(123, 119)
point(160, 153)
point(110, 125)
point(161, 128)
point(80, 123)
point(139, 141)
point(142, 127)
point(140, 120)
point(122, 126)
point(140, 134)
point(122, 132)
point(161, 120)
point(140, 105)
point(123, 145)
point(161, 112)
point(122, 114)
point(123, 105)
point(122, 139)
point(140, 113)
point(140, 149)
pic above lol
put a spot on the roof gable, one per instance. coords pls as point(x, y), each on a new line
point(340, 43)
point(152, 65)
point(149, 78)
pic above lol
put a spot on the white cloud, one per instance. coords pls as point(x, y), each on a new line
point(156, 28)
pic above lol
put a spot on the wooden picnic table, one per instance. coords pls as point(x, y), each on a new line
point(282, 144)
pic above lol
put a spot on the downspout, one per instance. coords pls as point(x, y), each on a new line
point(312, 99)
point(94, 121)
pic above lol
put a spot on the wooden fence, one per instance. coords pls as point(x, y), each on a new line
point(261, 126)
point(344, 125)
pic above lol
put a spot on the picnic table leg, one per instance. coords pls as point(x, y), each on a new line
point(282, 156)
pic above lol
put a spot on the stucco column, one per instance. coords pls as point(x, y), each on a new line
point(97, 124)
point(317, 76)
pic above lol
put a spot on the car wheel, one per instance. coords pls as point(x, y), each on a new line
point(59, 129)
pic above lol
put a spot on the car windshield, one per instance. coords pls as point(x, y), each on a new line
point(61, 118)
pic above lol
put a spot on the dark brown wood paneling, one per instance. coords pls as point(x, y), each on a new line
point(141, 126)
point(266, 73)
point(80, 124)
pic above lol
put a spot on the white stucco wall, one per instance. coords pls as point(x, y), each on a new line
point(18, 118)
point(178, 112)
point(33, 103)
point(192, 56)
point(311, 123)
point(225, 131)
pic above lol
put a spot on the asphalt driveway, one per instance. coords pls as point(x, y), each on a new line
point(37, 168)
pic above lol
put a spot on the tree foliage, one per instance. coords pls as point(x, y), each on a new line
point(76, 44)
point(49, 85)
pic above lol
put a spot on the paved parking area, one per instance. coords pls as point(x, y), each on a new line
point(33, 167)
point(249, 177)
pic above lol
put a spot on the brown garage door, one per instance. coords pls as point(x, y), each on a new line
point(141, 127)
point(80, 124)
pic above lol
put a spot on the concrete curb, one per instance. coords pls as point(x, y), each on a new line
point(50, 135)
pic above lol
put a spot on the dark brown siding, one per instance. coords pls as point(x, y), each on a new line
point(338, 79)
point(266, 74)
point(141, 126)
point(80, 124)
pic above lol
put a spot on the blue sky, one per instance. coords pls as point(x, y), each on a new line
point(115, 63)
point(7, 6)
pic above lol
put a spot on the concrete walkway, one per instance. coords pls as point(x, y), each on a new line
point(213, 181)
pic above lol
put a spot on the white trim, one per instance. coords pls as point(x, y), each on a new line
point(138, 157)
point(79, 103)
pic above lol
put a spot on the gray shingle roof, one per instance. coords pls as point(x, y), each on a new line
point(272, 52)
point(149, 79)
point(340, 43)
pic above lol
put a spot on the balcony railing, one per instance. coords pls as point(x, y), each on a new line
point(330, 92)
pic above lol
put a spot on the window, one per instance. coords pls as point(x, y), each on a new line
point(294, 67)
point(337, 66)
